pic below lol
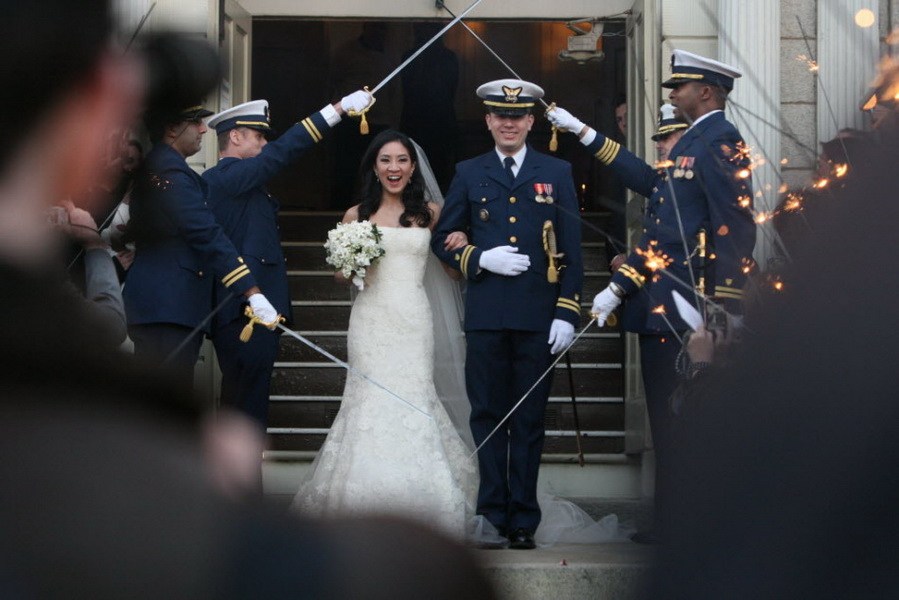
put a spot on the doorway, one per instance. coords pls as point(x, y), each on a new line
point(299, 65)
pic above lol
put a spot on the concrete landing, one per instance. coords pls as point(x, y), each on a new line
point(614, 571)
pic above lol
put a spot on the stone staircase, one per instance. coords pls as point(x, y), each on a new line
point(306, 388)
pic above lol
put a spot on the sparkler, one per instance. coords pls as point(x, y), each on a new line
point(660, 310)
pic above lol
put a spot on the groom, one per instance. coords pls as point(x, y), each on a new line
point(518, 310)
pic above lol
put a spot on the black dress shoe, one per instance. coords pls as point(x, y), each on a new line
point(521, 539)
point(646, 537)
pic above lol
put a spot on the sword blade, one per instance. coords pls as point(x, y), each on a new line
point(349, 367)
point(536, 383)
point(424, 47)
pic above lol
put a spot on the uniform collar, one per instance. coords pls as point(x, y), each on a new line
point(704, 117)
point(518, 156)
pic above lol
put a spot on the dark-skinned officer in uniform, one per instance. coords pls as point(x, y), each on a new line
point(249, 216)
point(521, 305)
point(706, 181)
point(179, 249)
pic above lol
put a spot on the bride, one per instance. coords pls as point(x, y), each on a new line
point(382, 456)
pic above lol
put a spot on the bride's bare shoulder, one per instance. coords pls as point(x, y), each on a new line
point(352, 214)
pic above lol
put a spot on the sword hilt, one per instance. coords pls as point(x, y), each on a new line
point(363, 123)
point(247, 332)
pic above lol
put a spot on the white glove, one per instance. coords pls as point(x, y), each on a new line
point(603, 304)
point(357, 101)
point(504, 260)
point(262, 308)
point(560, 335)
point(563, 119)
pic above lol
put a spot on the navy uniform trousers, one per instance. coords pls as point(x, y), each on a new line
point(507, 319)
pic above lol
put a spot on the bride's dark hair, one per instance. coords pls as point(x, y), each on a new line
point(415, 206)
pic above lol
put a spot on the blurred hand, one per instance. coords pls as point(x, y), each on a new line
point(563, 119)
point(125, 258)
point(356, 102)
point(82, 228)
point(617, 261)
point(701, 345)
point(603, 304)
point(455, 240)
point(504, 260)
point(560, 335)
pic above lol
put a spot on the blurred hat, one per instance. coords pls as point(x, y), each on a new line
point(253, 114)
point(687, 67)
point(668, 124)
point(510, 97)
point(192, 113)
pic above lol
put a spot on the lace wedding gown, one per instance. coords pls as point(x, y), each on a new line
point(380, 455)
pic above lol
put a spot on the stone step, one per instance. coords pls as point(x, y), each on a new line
point(610, 571)
point(321, 285)
point(327, 379)
point(593, 347)
point(334, 315)
point(303, 226)
point(318, 413)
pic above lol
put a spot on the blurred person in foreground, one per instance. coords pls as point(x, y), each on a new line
point(786, 486)
point(104, 493)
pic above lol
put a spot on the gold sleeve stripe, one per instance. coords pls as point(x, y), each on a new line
point(236, 274)
point(312, 129)
point(728, 292)
point(567, 303)
point(463, 262)
point(632, 274)
point(572, 306)
point(608, 152)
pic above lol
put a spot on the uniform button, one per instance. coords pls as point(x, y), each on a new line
point(513, 239)
point(483, 200)
point(512, 219)
point(200, 273)
point(262, 260)
point(513, 199)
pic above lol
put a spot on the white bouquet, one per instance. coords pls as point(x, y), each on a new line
point(352, 247)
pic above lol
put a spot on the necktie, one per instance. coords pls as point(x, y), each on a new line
point(507, 163)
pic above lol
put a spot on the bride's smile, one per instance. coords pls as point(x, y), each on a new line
point(394, 167)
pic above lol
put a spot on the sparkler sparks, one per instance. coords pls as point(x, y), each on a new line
point(793, 202)
point(840, 169)
point(655, 259)
point(762, 216)
point(810, 63)
point(821, 183)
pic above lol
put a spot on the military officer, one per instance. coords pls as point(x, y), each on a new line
point(179, 248)
point(704, 191)
point(523, 297)
point(669, 131)
point(249, 216)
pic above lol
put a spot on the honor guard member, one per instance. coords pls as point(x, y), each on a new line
point(702, 193)
point(669, 132)
point(249, 216)
point(524, 273)
point(180, 249)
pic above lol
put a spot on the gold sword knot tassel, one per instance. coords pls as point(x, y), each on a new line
point(247, 332)
point(554, 140)
point(549, 246)
point(363, 123)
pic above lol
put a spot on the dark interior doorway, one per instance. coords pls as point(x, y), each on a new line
point(300, 65)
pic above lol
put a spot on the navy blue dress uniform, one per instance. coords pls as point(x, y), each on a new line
point(248, 213)
point(703, 189)
point(507, 318)
point(180, 251)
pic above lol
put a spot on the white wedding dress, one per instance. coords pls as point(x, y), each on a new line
point(380, 455)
